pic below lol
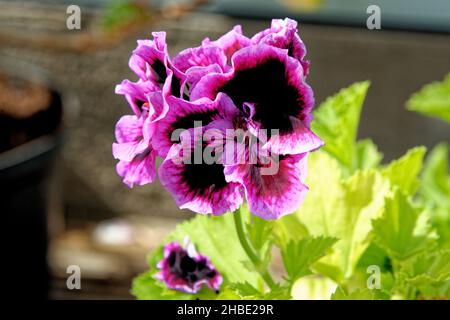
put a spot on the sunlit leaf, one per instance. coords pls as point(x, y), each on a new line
point(404, 172)
point(433, 100)
point(313, 287)
point(336, 122)
point(341, 208)
point(298, 256)
point(245, 291)
point(435, 190)
point(358, 294)
point(403, 229)
point(367, 155)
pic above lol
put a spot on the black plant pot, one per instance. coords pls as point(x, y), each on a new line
point(25, 172)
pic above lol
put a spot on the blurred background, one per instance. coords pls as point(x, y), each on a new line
point(63, 202)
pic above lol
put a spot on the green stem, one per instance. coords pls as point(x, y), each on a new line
point(249, 250)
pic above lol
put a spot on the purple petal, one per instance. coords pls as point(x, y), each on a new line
point(195, 74)
point(299, 140)
point(209, 85)
point(134, 151)
point(202, 56)
point(129, 128)
point(146, 54)
point(185, 115)
point(271, 196)
point(200, 187)
point(139, 171)
point(136, 93)
point(231, 41)
point(283, 34)
point(270, 81)
point(158, 106)
point(126, 151)
point(151, 62)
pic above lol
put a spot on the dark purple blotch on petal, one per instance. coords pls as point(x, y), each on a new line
point(266, 85)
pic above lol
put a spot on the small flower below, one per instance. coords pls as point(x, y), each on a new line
point(184, 269)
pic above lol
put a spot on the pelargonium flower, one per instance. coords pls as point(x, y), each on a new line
point(253, 85)
point(186, 270)
point(273, 183)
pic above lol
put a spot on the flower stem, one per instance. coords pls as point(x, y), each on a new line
point(249, 250)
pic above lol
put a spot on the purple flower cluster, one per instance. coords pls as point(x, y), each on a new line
point(186, 270)
point(254, 85)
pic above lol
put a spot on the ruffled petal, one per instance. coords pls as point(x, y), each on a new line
point(283, 34)
point(185, 115)
point(275, 98)
point(127, 151)
point(136, 93)
point(230, 42)
point(195, 74)
point(212, 196)
point(130, 137)
point(198, 185)
point(139, 171)
point(149, 57)
point(272, 191)
point(129, 129)
point(151, 62)
point(298, 140)
point(202, 56)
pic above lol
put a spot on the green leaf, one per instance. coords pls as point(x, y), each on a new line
point(229, 293)
point(428, 268)
point(313, 287)
point(259, 232)
point(299, 256)
point(374, 255)
point(403, 230)
point(288, 228)
point(279, 293)
point(367, 155)
point(342, 209)
point(435, 186)
point(358, 294)
point(336, 122)
point(435, 190)
point(404, 172)
point(433, 100)
point(146, 287)
point(425, 276)
point(245, 291)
